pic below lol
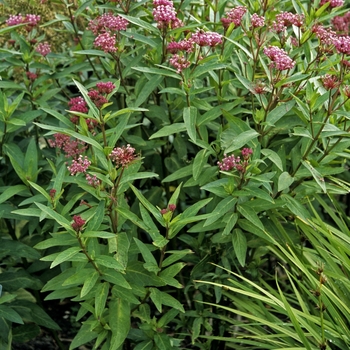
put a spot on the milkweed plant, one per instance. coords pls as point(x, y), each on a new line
point(176, 171)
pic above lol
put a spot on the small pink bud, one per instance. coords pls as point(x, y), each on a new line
point(172, 207)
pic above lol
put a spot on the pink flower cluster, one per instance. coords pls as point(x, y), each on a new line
point(79, 165)
point(235, 16)
point(286, 19)
point(342, 23)
point(78, 223)
point(231, 162)
point(31, 76)
point(280, 59)
point(98, 96)
point(122, 156)
point(342, 44)
point(325, 35)
point(43, 48)
point(330, 82)
point(165, 14)
point(30, 20)
point(107, 23)
point(257, 21)
point(179, 62)
point(106, 42)
point(78, 104)
point(333, 3)
point(203, 38)
point(171, 207)
point(92, 180)
point(105, 27)
point(181, 49)
point(71, 148)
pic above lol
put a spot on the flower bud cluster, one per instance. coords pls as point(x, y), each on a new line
point(165, 14)
point(43, 48)
point(78, 223)
point(79, 165)
point(71, 148)
point(231, 162)
point(332, 3)
point(30, 20)
point(286, 19)
point(280, 59)
point(234, 16)
point(105, 27)
point(123, 156)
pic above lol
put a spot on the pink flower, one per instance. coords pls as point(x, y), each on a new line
point(14, 20)
point(183, 45)
point(92, 180)
point(330, 82)
point(31, 76)
point(78, 104)
point(286, 19)
point(32, 20)
point(43, 48)
point(179, 62)
point(235, 16)
point(279, 58)
point(333, 3)
point(108, 22)
point(202, 38)
point(106, 42)
point(342, 44)
point(79, 165)
point(342, 23)
point(122, 156)
point(78, 223)
point(257, 21)
point(72, 148)
point(325, 35)
point(231, 162)
point(164, 14)
point(98, 99)
point(105, 88)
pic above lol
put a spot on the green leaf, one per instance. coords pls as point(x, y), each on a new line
point(295, 207)
point(165, 72)
point(175, 256)
point(66, 255)
point(316, 175)
point(54, 215)
point(119, 321)
point(122, 249)
point(190, 118)
point(84, 336)
point(239, 243)
point(101, 296)
point(199, 162)
point(230, 224)
point(89, 283)
point(221, 209)
point(147, 89)
point(238, 142)
point(108, 261)
point(169, 130)
point(274, 157)
point(179, 174)
point(277, 113)
point(250, 215)
point(150, 262)
point(149, 206)
point(161, 298)
point(96, 221)
point(13, 191)
point(115, 278)
point(10, 314)
point(284, 181)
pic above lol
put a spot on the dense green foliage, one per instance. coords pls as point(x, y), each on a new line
point(181, 178)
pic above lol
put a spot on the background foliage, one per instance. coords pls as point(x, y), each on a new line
point(201, 199)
